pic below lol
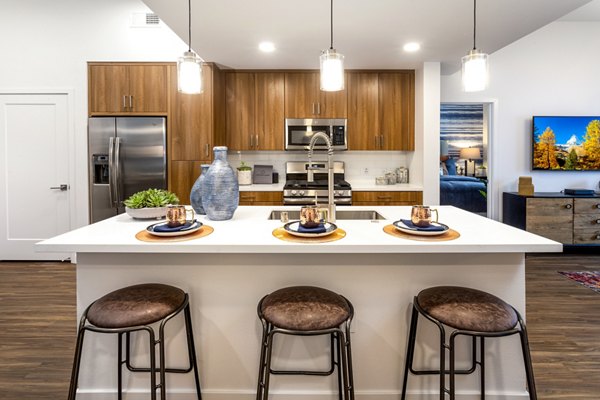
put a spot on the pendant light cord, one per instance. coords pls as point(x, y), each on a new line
point(331, 25)
point(474, 22)
point(190, 25)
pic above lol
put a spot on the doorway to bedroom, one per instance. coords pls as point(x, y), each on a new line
point(464, 156)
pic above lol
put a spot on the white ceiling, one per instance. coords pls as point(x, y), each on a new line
point(369, 33)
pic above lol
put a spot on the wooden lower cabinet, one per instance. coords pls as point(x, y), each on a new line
point(387, 198)
point(261, 198)
point(566, 219)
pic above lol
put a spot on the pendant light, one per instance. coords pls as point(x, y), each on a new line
point(189, 66)
point(474, 64)
point(332, 66)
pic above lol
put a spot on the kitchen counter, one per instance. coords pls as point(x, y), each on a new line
point(263, 187)
point(229, 271)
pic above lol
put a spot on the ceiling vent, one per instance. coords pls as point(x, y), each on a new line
point(145, 20)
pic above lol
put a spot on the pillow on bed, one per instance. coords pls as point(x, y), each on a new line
point(451, 166)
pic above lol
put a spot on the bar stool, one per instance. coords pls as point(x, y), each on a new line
point(131, 309)
point(307, 311)
point(472, 313)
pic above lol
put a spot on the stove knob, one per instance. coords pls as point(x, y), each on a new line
point(301, 193)
point(337, 192)
point(293, 192)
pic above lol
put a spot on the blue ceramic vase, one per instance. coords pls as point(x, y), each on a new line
point(220, 189)
point(196, 193)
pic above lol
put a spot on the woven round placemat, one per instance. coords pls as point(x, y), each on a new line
point(144, 236)
point(282, 234)
point(450, 235)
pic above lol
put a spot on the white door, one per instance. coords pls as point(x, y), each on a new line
point(34, 160)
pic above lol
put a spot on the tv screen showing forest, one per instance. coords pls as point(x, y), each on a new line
point(566, 143)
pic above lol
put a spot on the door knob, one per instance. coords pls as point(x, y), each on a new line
point(63, 187)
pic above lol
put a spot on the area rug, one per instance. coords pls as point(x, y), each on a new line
point(589, 279)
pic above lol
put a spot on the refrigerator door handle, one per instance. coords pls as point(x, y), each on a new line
point(111, 170)
point(118, 198)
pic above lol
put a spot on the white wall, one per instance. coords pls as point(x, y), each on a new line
point(553, 71)
point(45, 46)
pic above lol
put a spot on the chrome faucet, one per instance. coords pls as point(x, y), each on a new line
point(310, 169)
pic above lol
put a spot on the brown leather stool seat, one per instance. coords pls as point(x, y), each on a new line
point(470, 312)
point(136, 308)
point(467, 309)
point(135, 305)
point(307, 311)
point(305, 308)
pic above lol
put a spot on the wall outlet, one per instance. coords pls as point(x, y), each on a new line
point(366, 171)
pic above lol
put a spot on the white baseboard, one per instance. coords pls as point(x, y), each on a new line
point(297, 395)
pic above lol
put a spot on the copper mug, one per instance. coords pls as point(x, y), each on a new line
point(177, 215)
point(421, 216)
point(312, 216)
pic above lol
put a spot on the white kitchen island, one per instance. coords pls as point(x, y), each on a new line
point(229, 271)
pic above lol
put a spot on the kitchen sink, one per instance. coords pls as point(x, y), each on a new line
point(339, 214)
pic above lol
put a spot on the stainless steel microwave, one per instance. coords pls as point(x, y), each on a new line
point(298, 133)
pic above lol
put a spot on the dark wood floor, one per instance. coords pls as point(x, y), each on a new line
point(37, 329)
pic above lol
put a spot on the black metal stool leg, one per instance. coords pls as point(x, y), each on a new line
point(120, 365)
point(262, 363)
point(482, 365)
point(527, 361)
point(152, 362)
point(410, 350)
point(269, 351)
point(77, 360)
point(192, 348)
point(345, 367)
point(162, 361)
point(348, 349)
point(443, 348)
point(336, 347)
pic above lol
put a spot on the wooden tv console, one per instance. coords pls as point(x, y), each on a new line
point(569, 219)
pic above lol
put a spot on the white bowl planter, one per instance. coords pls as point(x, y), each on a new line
point(244, 177)
point(147, 212)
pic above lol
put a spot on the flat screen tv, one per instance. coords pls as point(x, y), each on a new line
point(563, 143)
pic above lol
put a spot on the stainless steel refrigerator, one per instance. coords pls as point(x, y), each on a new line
point(126, 155)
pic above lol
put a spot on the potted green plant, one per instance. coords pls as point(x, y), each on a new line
point(151, 203)
point(244, 173)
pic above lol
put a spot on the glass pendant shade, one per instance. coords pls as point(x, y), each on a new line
point(189, 73)
point(475, 71)
point(332, 71)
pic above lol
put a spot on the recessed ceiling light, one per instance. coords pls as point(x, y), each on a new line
point(411, 47)
point(267, 47)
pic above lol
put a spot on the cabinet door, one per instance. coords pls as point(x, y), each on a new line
point(147, 88)
point(301, 98)
point(387, 198)
point(332, 104)
point(182, 176)
point(261, 198)
point(192, 120)
point(586, 221)
point(108, 88)
point(269, 104)
point(363, 111)
point(551, 218)
point(240, 110)
point(396, 110)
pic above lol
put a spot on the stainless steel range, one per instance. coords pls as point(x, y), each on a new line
point(299, 191)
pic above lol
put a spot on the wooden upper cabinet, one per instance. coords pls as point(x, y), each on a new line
point(381, 110)
point(304, 98)
point(269, 122)
point(122, 88)
point(255, 105)
point(397, 110)
point(197, 121)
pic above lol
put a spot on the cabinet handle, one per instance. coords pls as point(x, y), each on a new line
point(124, 103)
point(313, 109)
point(131, 103)
point(384, 197)
point(206, 150)
point(376, 141)
point(597, 237)
point(319, 108)
point(381, 141)
point(568, 206)
point(251, 141)
point(598, 221)
point(597, 205)
point(256, 142)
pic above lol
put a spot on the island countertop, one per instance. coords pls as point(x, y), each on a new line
point(250, 231)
